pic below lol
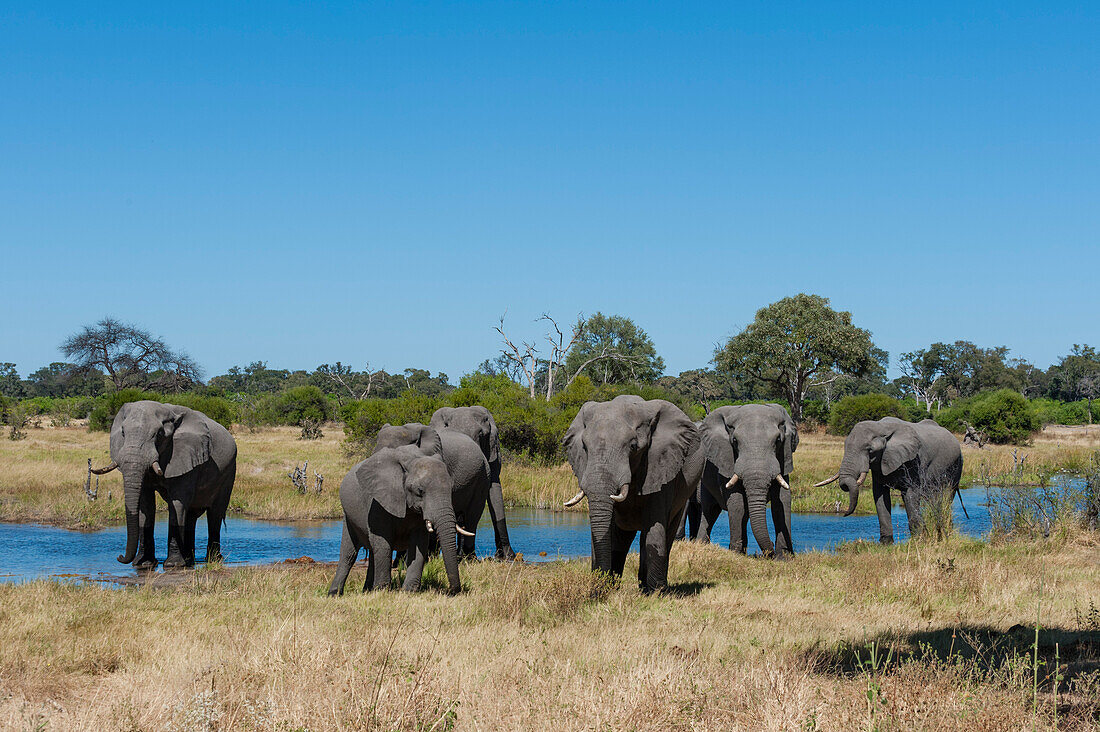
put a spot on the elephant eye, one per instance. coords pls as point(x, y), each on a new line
point(634, 444)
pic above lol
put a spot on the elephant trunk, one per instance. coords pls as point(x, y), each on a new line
point(600, 514)
point(131, 483)
point(444, 523)
point(604, 483)
point(757, 488)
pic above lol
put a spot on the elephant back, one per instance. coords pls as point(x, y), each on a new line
point(464, 458)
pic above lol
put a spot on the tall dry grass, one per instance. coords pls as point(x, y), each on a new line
point(738, 643)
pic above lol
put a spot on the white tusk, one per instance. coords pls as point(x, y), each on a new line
point(428, 524)
point(861, 477)
point(733, 480)
point(156, 468)
point(621, 495)
point(779, 479)
point(827, 481)
point(462, 531)
point(104, 470)
point(575, 499)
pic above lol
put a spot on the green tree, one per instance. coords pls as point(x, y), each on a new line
point(796, 344)
point(10, 383)
point(612, 349)
point(1076, 376)
point(127, 354)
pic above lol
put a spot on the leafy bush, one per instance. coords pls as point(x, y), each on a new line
point(1004, 416)
point(852, 409)
point(815, 412)
point(102, 416)
point(298, 404)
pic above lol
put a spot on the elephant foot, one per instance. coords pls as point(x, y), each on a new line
point(886, 540)
point(506, 553)
point(176, 561)
point(145, 563)
point(214, 554)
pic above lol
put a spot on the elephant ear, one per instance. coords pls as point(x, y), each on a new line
point(790, 438)
point(190, 444)
point(715, 439)
point(427, 438)
point(574, 445)
point(901, 447)
point(494, 437)
point(118, 438)
point(673, 438)
point(383, 478)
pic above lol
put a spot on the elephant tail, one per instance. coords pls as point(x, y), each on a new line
point(959, 495)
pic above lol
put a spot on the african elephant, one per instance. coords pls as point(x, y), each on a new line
point(636, 461)
point(467, 466)
point(478, 424)
point(749, 458)
point(918, 459)
point(393, 500)
point(189, 459)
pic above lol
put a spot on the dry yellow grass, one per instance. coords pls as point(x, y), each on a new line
point(739, 644)
point(42, 476)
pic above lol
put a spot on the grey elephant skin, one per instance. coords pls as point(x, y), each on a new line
point(189, 459)
point(478, 424)
point(394, 500)
point(467, 466)
point(636, 461)
point(749, 454)
point(920, 460)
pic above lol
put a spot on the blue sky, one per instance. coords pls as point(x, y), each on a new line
point(379, 182)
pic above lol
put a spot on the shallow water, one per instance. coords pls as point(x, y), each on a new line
point(32, 551)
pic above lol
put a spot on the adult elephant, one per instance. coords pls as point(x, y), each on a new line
point(920, 460)
point(749, 454)
point(478, 424)
point(637, 462)
point(189, 459)
point(468, 468)
point(393, 500)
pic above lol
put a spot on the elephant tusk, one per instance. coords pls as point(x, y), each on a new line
point(462, 531)
point(785, 484)
point(575, 499)
point(827, 481)
point(733, 480)
point(428, 525)
point(621, 495)
point(156, 469)
point(105, 469)
point(862, 477)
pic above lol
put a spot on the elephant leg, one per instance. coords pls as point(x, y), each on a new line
point(215, 517)
point(739, 521)
point(189, 536)
point(681, 525)
point(693, 513)
point(500, 524)
point(381, 550)
point(885, 523)
point(177, 520)
point(467, 545)
point(349, 552)
point(643, 561)
point(911, 501)
point(621, 539)
point(147, 514)
point(654, 549)
point(781, 519)
point(710, 509)
point(417, 556)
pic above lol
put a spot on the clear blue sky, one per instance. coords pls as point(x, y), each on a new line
point(379, 182)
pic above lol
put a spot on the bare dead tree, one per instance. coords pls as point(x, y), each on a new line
point(300, 478)
point(347, 380)
point(130, 355)
point(89, 493)
point(526, 359)
point(558, 349)
point(973, 437)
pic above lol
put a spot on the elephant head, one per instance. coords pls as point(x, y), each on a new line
point(754, 445)
point(474, 422)
point(881, 447)
point(150, 437)
point(404, 479)
point(415, 434)
point(624, 450)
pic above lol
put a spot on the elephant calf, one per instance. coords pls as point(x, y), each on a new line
point(393, 500)
point(919, 460)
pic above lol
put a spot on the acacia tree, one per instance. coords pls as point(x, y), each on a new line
point(796, 344)
point(129, 355)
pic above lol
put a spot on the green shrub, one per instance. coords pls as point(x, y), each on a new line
point(1005, 416)
point(815, 412)
point(102, 416)
point(852, 409)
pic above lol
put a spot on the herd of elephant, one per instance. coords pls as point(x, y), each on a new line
point(643, 466)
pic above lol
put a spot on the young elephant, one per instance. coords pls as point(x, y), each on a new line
point(478, 424)
point(636, 461)
point(393, 500)
point(918, 459)
point(466, 464)
point(749, 451)
point(189, 459)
